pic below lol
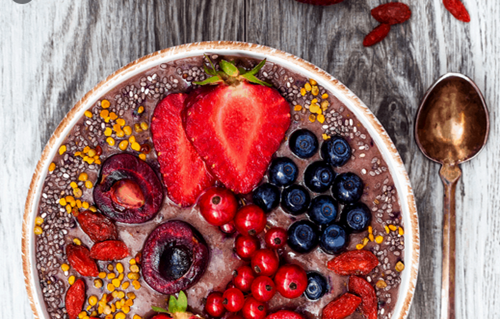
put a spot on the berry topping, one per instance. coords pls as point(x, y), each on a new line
point(246, 246)
point(265, 262)
point(218, 206)
point(75, 299)
point(333, 239)
point(233, 299)
point(285, 314)
point(303, 236)
point(283, 171)
point(319, 176)
point(362, 288)
point(174, 257)
point(183, 171)
point(250, 220)
point(254, 309)
point(341, 307)
point(243, 278)
point(230, 126)
point(214, 306)
point(317, 286)
point(347, 188)
point(323, 210)
point(356, 217)
point(128, 190)
point(109, 250)
point(80, 260)
point(295, 199)
point(97, 226)
point(356, 262)
point(228, 228)
point(267, 197)
point(291, 281)
point(263, 288)
point(177, 309)
point(276, 238)
point(336, 151)
point(303, 143)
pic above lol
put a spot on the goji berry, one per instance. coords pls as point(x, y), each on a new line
point(341, 307)
point(321, 2)
point(392, 13)
point(109, 250)
point(378, 34)
point(97, 226)
point(457, 9)
point(369, 302)
point(79, 258)
point(356, 262)
point(75, 298)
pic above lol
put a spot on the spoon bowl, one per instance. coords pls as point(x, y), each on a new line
point(451, 128)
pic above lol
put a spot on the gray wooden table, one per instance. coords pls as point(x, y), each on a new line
point(53, 52)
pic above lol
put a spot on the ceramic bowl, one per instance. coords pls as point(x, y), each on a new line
point(354, 104)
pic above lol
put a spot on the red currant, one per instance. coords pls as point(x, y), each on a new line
point(233, 299)
point(228, 228)
point(243, 278)
point(218, 205)
point(214, 306)
point(263, 288)
point(254, 309)
point(276, 238)
point(265, 262)
point(250, 220)
point(246, 246)
point(291, 281)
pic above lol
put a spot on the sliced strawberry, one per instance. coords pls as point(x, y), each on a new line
point(236, 129)
point(369, 302)
point(184, 173)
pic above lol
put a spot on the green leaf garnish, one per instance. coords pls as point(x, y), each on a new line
point(229, 68)
point(172, 304)
point(182, 302)
point(251, 78)
point(209, 71)
point(159, 309)
point(257, 68)
point(212, 80)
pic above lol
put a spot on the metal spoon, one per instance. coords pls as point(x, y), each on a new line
point(451, 128)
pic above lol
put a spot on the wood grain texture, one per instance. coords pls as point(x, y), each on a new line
point(53, 52)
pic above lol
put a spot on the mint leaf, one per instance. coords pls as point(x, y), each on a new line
point(182, 302)
point(159, 309)
point(229, 68)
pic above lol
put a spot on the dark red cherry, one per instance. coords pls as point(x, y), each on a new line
point(214, 306)
point(263, 288)
point(291, 281)
point(233, 299)
point(243, 278)
point(246, 246)
point(276, 238)
point(250, 220)
point(218, 205)
point(265, 262)
point(254, 309)
point(228, 228)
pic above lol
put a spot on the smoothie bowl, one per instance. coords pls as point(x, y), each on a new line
point(220, 180)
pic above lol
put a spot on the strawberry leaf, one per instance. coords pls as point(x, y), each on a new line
point(172, 304)
point(209, 71)
point(211, 80)
point(251, 78)
point(257, 68)
point(229, 68)
point(182, 302)
point(159, 309)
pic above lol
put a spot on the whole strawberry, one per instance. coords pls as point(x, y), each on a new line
point(321, 2)
point(236, 124)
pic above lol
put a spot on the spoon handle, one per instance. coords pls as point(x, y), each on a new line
point(450, 174)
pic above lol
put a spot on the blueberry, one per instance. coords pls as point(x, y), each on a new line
point(295, 199)
point(333, 239)
point(319, 176)
point(303, 236)
point(317, 286)
point(267, 197)
point(303, 143)
point(336, 151)
point(356, 217)
point(347, 188)
point(323, 210)
point(283, 171)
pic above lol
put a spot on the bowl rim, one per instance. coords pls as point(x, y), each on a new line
point(351, 101)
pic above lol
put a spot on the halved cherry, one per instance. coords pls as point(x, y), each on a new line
point(128, 194)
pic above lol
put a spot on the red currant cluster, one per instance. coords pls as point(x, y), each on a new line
point(256, 284)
